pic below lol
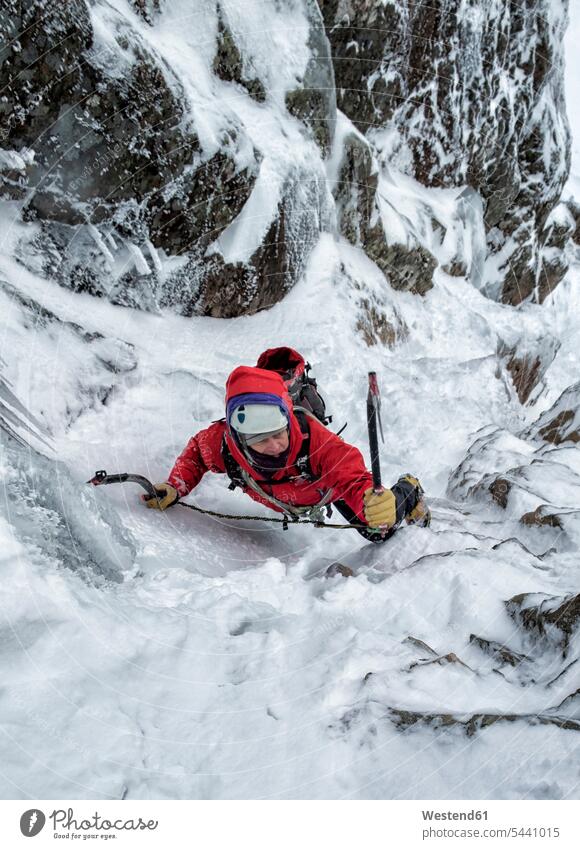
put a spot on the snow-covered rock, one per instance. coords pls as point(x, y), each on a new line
point(561, 423)
point(456, 93)
point(211, 147)
point(144, 131)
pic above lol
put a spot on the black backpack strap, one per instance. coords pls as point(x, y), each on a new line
point(302, 461)
point(233, 470)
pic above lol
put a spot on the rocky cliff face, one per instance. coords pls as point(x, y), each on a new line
point(182, 154)
point(459, 92)
point(144, 147)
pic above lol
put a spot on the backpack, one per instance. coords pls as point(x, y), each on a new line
point(293, 369)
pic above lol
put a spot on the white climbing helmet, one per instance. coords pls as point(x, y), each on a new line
point(258, 421)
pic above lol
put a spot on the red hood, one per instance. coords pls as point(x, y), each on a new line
point(246, 379)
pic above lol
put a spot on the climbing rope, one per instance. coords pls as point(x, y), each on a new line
point(103, 478)
point(286, 521)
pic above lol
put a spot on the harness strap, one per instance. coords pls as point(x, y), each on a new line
point(292, 511)
point(302, 461)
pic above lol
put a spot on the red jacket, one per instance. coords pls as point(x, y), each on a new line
point(336, 464)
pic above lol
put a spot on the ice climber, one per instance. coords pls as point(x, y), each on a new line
point(285, 458)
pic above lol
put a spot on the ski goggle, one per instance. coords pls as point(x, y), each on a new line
point(252, 438)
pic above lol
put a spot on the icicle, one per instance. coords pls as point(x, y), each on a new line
point(155, 259)
point(100, 242)
point(138, 258)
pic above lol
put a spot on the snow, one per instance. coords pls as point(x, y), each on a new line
point(11, 160)
point(246, 233)
point(172, 655)
point(223, 664)
point(263, 29)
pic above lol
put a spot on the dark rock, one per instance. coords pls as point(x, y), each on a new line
point(309, 105)
point(556, 432)
point(574, 208)
point(561, 423)
point(407, 269)
point(420, 644)
point(358, 219)
point(553, 269)
point(559, 227)
point(434, 74)
point(375, 327)
point(113, 137)
point(355, 190)
point(147, 9)
point(496, 650)
point(115, 147)
point(40, 57)
point(527, 362)
point(199, 204)
point(339, 569)
point(208, 285)
point(500, 490)
point(456, 268)
point(228, 63)
point(405, 719)
point(525, 372)
point(314, 100)
point(442, 660)
point(362, 42)
point(556, 618)
point(540, 517)
point(121, 174)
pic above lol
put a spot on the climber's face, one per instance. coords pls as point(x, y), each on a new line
point(273, 445)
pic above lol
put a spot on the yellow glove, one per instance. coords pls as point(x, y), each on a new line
point(380, 508)
point(166, 496)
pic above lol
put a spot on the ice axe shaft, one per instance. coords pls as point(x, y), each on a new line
point(374, 425)
point(103, 478)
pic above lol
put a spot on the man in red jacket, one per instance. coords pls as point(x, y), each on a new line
point(286, 460)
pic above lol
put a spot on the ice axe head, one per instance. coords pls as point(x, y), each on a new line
point(374, 398)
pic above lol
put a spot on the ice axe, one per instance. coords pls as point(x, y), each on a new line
point(420, 515)
point(375, 425)
point(102, 477)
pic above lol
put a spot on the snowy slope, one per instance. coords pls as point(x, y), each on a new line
point(224, 664)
